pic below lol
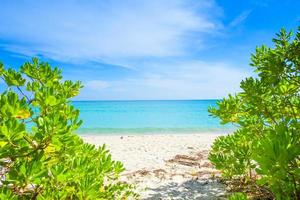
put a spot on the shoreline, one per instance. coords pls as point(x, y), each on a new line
point(130, 132)
point(173, 162)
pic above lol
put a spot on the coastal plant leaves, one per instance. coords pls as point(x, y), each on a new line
point(266, 144)
point(40, 155)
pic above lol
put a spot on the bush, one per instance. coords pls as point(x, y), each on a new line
point(40, 156)
point(232, 151)
point(267, 114)
point(238, 196)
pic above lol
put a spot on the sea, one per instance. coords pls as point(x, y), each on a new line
point(149, 117)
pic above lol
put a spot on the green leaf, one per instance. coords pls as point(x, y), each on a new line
point(266, 113)
point(38, 147)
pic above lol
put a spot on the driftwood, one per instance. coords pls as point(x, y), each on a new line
point(188, 160)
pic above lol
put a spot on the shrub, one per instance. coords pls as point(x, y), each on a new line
point(238, 196)
point(40, 156)
point(267, 114)
point(232, 151)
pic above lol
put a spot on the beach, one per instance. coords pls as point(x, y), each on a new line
point(165, 166)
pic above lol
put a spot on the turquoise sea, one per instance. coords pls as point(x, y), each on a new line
point(148, 117)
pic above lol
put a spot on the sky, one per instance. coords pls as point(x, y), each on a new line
point(144, 49)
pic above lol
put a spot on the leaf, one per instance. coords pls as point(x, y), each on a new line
point(266, 113)
point(43, 154)
point(23, 114)
point(3, 143)
point(1, 68)
point(51, 100)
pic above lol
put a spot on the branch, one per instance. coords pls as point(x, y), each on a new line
point(23, 94)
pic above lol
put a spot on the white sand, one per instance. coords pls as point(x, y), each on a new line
point(166, 166)
point(150, 151)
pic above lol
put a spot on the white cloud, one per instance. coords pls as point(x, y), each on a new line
point(240, 18)
point(187, 80)
point(104, 30)
point(97, 85)
point(150, 36)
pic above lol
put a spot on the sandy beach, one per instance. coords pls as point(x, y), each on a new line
point(171, 166)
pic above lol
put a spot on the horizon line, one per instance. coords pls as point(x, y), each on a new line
point(147, 100)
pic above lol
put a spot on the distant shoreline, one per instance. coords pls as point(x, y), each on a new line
point(133, 100)
point(151, 131)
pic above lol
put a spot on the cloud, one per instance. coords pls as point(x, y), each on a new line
point(156, 40)
point(104, 30)
point(261, 3)
point(240, 18)
point(177, 80)
point(96, 85)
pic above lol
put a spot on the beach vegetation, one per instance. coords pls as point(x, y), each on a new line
point(238, 196)
point(265, 148)
point(40, 156)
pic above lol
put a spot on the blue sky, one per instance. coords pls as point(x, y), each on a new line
point(154, 49)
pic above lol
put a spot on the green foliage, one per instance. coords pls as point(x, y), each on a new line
point(267, 114)
point(232, 151)
point(238, 196)
point(280, 162)
point(40, 155)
